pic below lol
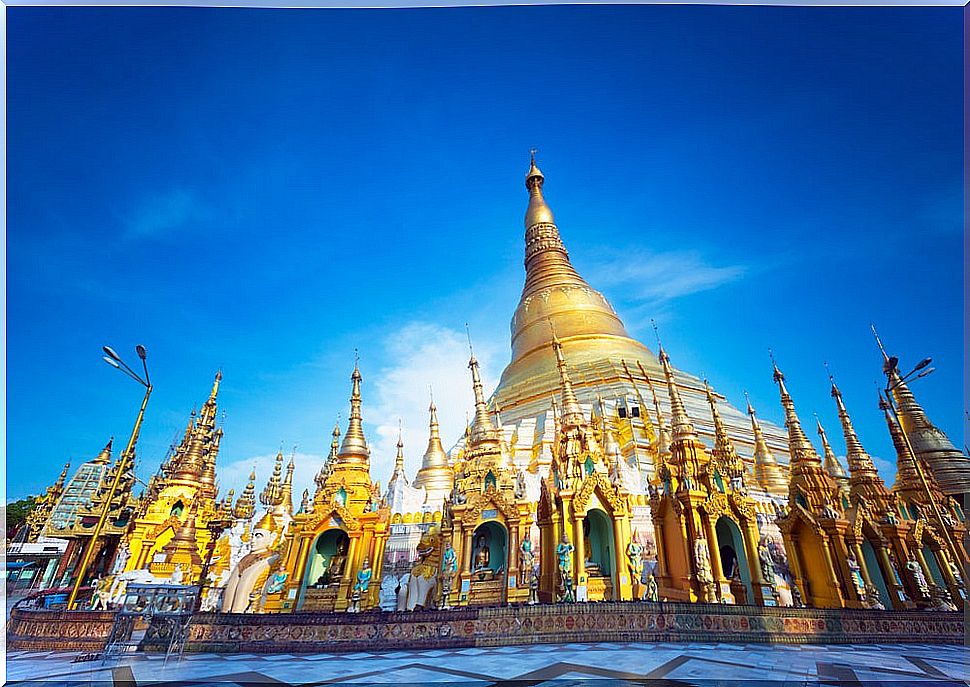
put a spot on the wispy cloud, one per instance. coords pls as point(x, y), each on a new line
point(420, 355)
point(656, 278)
point(160, 214)
point(235, 475)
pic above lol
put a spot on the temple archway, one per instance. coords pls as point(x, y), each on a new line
point(821, 589)
point(730, 545)
point(327, 546)
point(598, 540)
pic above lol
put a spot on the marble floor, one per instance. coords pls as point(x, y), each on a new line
point(545, 665)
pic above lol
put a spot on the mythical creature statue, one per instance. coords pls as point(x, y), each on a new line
point(421, 584)
point(767, 562)
point(564, 552)
point(919, 579)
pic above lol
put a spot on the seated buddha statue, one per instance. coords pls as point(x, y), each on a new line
point(337, 561)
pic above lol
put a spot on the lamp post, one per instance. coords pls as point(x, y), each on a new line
point(127, 456)
point(894, 381)
point(216, 528)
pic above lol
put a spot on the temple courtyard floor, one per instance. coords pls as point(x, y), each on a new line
point(547, 665)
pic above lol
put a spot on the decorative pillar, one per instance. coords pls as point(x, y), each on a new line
point(580, 558)
point(722, 588)
point(892, 582)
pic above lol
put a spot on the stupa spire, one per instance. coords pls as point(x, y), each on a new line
point(553, 290)
point(104, 457)
point(272, 493)
point(482, 427)
point(830, 462)
point(769, 474)
point(808, 478)
point(950, 467)
point(860, 463)
point(724, 452)
point(572, 413)
point(435, 473)
point(681, 425)
point(354, 449)
point(246, 504)
point(663, 434)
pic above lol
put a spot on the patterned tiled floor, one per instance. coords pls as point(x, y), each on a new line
point(563, 665)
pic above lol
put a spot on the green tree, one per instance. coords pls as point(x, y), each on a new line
point(17, 512)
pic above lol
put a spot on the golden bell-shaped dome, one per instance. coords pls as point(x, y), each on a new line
point(554, 293)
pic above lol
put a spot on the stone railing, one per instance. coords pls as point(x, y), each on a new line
point(43, 630)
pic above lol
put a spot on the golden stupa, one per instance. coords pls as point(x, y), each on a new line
point(607, 363)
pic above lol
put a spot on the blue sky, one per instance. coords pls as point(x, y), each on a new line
point(263, 191)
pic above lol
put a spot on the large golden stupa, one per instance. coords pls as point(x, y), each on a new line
point(609, 365)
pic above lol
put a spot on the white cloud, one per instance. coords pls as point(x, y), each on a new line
point(422, 354)
point(660, 277)
point(235, 475)
point(162, 213)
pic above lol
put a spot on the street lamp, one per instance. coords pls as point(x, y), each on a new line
point(125, 461)
point(893, 382)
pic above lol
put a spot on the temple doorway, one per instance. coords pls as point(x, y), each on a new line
point(600, 562)
point(489, 543)
point(326, 565)
point(488, 564)
point(875, 573)
point(734, 562)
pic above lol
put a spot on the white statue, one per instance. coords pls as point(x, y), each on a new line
point(242, 579)
point(419, 590)
point(177, 575)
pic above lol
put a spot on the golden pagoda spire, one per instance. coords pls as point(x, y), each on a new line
point(864, 481)
point(104, 457)
point(331, 460)
point(683, 428)
point(949, 466)
point(272, 494)
point(724, 452)
point(830, 461)
point(769, 474)
point(663, 434)
point(907, 476)
point(183, 548)
point(572, 413)
point(482, 428)
point(860, 463)
point(808, 478)
point(286, 492)
point(246, 504)
point(353, 450)
point(553, 290)
point(435, 472)
point(225, 508)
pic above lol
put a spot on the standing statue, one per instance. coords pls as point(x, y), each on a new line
point(364, 576)
point(124, 553)
point(534, 585)
point(702, 559)
point(634, 557)
point(449, 566)
point(564, 552)
point(526, 557)
point(856, 574)
point(242, 578)
point(919, 579)
point(955, 571)
point(653, 590)
point(767, 562)
point(177, 575)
